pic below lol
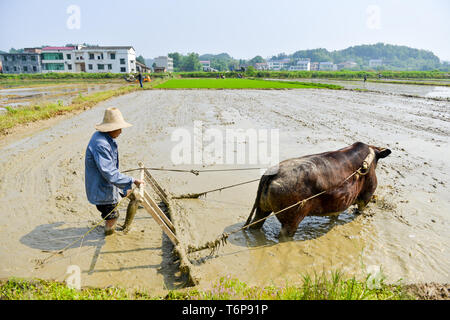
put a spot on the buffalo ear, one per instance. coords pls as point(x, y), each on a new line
point(383, 153)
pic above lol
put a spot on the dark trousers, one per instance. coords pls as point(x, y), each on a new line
point(105, 209)
point(140, 81)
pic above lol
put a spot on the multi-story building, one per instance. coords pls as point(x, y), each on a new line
point(347, 65)
point(117, 59)
point(375, 63)
point(327, 66)
point(120, 59)
point(206, 65)
point(28, 61)
point(301, 65)
point(278, 64)
point(261, 66)
point(57, 59)
point(164, 62)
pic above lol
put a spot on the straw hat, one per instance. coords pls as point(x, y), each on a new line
point(112, 120)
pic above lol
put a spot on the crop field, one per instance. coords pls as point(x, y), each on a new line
point(207, 83)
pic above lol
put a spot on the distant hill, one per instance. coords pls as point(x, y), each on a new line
point(393, 57)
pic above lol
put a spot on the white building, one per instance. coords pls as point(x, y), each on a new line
point(327, 66)
point(119, 59)
point(347, 65)
point(58, 59)
point(164, 62)
point(278, 64)
point(261, 66)
point(375, 63)
point(301, 65)
point(206, 65)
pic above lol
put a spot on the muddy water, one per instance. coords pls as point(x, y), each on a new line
point(426, 91)
point(17, 97)
point(405, 231)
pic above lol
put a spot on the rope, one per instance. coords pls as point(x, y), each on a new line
point(41, 262)
point(193, 171)
point(196, 195)
point(222, 239)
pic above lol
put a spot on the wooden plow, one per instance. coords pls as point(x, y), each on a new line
point(161, 218)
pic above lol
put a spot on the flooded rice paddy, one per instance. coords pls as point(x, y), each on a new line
point(404, 230)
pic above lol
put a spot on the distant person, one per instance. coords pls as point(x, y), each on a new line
point(139, 76)
point(365, 78)
point(102, 177)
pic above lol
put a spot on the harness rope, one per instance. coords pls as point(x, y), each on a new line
point(222, 239)
point(193, 171)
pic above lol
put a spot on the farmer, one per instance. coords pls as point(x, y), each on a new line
point(139, 76)
point(102, 177)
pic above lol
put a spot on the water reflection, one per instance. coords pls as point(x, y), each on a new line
point(311, 227)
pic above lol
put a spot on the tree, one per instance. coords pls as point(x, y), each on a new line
point(141, 59)
point(191, 63)
point(250, 71)
point(176, 60)
point(255, 60)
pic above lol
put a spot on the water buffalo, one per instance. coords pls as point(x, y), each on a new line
point(299, 178)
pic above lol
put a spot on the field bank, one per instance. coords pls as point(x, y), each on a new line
point(405, 231)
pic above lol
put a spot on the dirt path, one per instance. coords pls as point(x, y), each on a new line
point(43, 204)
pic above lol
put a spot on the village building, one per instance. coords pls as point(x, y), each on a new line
point(28, 61)
point(278, 64)
point(206, 65)
point(261, 66)
point(115, 59)
point(347, 65)
point(164, 62)
point(327, 66)
point(301, 65)
point(373, 63)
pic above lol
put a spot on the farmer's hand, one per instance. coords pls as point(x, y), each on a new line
point(138, 183)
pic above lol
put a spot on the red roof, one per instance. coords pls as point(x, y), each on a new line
point(57, 48)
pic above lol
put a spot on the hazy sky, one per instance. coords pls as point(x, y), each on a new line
point(242, 28)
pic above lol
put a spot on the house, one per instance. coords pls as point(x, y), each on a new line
point(347, 65)
point(206, 65)
point(159, 69)
point(115, 59)
point(261, 66)
point(164, 61)
point(327, 66)
point(301, 65)
point(57, 59)
point(26, 62)
point(375, 63)
point(278, 64)
point(314, 66)
point(140, 67)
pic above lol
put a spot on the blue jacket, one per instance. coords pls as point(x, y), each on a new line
point(102, 177)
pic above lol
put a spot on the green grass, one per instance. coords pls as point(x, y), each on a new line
point(342, 74)
point(207, 83)
point(318, 287)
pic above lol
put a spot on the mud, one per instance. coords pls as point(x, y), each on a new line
point(17, 97)
point(404, 230)
point(425, 91)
